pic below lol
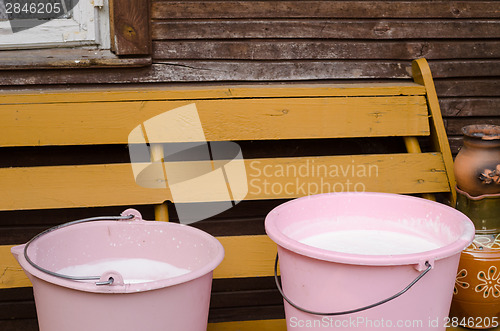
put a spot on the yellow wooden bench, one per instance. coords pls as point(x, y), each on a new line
point(409, 110)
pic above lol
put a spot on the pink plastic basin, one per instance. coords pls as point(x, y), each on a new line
point(177, 303)
point(328, 281)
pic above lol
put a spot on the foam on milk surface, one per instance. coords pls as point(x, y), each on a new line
point(370, 242)
point(132, 270)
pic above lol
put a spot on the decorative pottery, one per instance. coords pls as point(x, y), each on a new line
point(476, 300)
point(477, 165)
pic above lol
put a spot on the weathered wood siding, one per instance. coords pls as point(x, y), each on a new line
point(249, 41)
point(232, 42)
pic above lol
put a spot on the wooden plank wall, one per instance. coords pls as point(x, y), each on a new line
point(233, 42)
point(262, 41)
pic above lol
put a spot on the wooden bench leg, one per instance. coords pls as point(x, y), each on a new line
point(161, 212)
point(157, 154)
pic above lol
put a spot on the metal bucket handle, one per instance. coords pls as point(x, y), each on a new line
point(129, 214)
point(422, 274)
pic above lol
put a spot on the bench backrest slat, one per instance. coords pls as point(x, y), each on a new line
point(213, 92)
point(230, 119)
point(97, 185)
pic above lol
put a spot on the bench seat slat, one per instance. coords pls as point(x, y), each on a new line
point(245, 256)
point(222, 120)
point(271, 325)
point(11, 274)
point(260, 325)
point(215, 92)
point(273, 178)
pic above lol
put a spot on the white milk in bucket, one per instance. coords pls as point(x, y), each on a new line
point(133, 271)
point(370, 242)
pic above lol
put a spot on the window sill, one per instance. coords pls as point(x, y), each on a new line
point(64, 58)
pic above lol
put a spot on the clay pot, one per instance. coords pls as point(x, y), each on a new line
point(484, 211)
point(477, 165)
point(476, 299)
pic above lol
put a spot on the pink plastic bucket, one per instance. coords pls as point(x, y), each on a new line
point(332, 282)
point(177, 303)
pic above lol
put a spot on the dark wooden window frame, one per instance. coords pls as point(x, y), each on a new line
point(130, 44)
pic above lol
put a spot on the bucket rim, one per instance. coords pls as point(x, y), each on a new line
point(285, 242)
point(90, 286)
